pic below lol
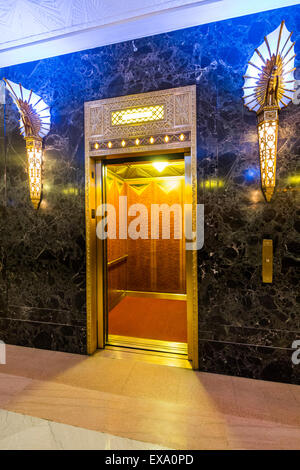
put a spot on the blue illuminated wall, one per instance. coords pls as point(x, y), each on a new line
point(246, 328)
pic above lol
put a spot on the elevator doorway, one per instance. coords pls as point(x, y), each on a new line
point(144, 271)
point(141, 128)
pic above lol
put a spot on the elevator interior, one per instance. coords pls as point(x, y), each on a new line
point(146, 276)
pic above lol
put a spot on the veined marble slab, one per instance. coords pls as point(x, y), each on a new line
point(21, 432)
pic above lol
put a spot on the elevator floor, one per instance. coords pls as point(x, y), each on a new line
point(152, 318)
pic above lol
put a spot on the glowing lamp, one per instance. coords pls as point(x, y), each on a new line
point(267, 127)
point(35, 159)
point(160, 166)
point(35, 124)
point(268, 88)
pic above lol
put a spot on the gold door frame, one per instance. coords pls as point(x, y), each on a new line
point(104, 141)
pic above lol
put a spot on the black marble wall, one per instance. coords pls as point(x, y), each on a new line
point(246, 328)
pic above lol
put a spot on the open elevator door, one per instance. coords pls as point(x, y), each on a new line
point(143, 287)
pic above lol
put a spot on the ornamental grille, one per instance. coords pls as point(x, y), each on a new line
point(267, 131)
point(35, 172)
point(137, 115)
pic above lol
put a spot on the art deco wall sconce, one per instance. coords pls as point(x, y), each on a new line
point(268, 87)
point(35, 123)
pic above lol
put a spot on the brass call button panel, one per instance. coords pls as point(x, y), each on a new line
point(267, 261)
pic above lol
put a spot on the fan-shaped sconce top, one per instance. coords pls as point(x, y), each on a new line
point(270, 74)
point(35, 114)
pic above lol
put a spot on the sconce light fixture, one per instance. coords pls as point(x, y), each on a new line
point(268, 87)
point(35, 123)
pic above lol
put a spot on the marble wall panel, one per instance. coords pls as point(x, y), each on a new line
point(245, 327)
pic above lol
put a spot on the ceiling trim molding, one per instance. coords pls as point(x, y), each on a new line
point(120, 29)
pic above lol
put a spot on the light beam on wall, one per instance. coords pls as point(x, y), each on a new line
point(35, 121)
point(268, 87)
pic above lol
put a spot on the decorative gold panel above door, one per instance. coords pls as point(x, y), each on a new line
point(123, 124)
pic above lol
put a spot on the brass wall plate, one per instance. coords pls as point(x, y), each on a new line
point(267, 261)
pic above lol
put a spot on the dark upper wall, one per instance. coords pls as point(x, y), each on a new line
point(246, 327)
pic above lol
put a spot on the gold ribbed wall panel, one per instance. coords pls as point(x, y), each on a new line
point(151, 265)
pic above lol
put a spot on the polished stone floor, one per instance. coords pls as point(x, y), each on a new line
point(21, 432)
point(141, 403)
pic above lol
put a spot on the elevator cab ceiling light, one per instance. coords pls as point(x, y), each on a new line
point(160, 166)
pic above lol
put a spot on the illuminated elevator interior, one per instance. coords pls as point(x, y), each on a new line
point(146, 276)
